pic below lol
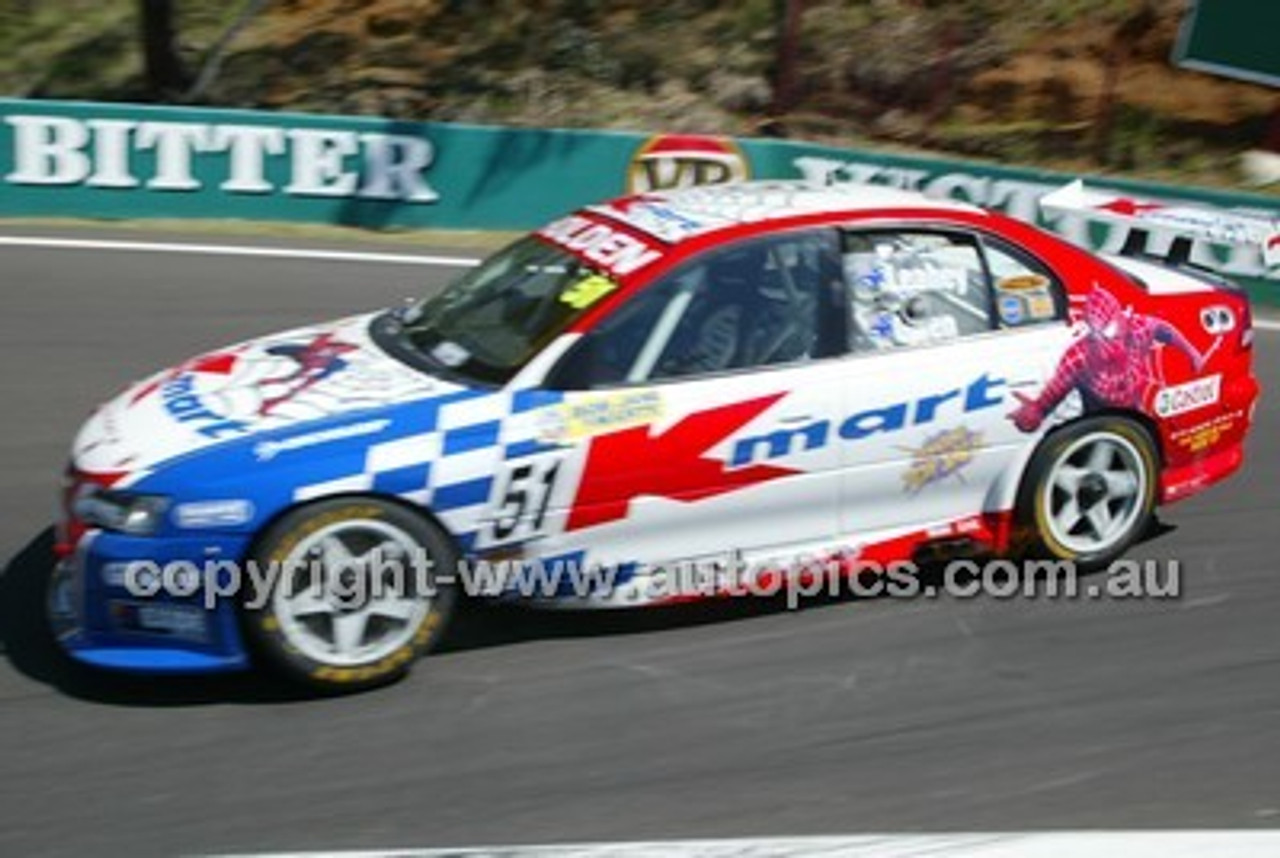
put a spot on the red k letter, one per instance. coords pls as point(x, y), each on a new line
point(632, 462)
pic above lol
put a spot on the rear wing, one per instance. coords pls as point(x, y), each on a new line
point(1187, 222)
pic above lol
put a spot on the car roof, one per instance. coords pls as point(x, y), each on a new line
point(676, 215)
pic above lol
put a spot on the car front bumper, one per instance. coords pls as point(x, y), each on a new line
point(100, 622)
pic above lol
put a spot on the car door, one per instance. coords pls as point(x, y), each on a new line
point(946, 328)
point(695, 421)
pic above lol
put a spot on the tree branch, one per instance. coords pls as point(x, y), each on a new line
point(212, 65)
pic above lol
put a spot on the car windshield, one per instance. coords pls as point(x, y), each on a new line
point(492, 321)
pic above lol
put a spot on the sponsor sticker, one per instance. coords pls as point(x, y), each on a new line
point(942, 455)
point(1023, 283)
point(658, 219)
point(670, 161)
point(595, 415)
point(189, 622)
point(1203, 436)
point(450, 353)
point(1010, 309)
point(184, 403)
point(1181, 398)
point(910, 273)
point(1024, 296)
point(1040, 305)
point(213, 513)
point(611, 249)
point(587, 291)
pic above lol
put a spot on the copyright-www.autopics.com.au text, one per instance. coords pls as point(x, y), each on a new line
point(374, 577)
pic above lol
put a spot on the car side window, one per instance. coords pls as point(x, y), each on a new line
point(758, 303)
point(913, 288)
point(1025, 291)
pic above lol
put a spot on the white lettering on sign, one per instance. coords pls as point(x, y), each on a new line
point(111, 153)
point(247, 148)
point(319, 162)
point(174, 143)
point(395, 167)
point(613, 250)
point(48, 150)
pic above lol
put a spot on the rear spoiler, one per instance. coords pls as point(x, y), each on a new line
point(1187, 222)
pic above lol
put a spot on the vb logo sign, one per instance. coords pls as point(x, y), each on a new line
point(672, 161)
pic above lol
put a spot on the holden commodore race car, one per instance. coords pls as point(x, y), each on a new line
point(761, 371)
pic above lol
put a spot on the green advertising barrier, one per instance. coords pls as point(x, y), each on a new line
point(126, 161)
point(69, 159)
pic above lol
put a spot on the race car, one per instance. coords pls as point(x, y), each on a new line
point(727, 377)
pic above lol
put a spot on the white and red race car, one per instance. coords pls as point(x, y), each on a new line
point(752, 373)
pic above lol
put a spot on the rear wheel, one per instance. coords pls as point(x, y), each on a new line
point(355, 597)
point(1090, 489)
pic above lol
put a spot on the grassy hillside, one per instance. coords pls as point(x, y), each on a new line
point(1075, 84)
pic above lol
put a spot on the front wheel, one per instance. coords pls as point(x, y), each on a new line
point(355, 597)
point(1090, 489)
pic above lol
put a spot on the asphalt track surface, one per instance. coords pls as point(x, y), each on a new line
point(723, 721)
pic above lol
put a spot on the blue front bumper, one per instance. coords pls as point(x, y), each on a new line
point(100, 622)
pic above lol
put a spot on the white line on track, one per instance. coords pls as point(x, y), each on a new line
point(1051, 844)
point(234, 250)
point(1266, 324)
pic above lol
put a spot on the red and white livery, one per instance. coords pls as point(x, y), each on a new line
point(749, 376)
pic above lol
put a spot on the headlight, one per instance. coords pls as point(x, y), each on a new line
point(122, 511)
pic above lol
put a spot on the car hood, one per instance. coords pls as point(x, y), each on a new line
point(277, 382)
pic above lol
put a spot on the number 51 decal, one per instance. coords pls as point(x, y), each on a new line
point(521, 497)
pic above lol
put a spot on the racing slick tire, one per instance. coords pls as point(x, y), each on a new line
point(1089, 491)
point(355, 595)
